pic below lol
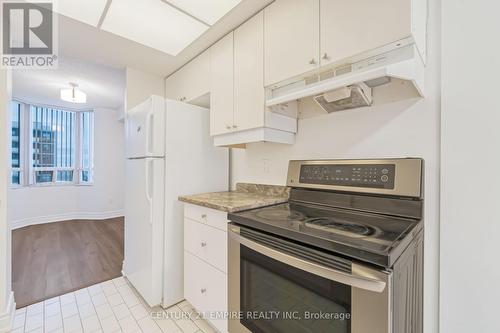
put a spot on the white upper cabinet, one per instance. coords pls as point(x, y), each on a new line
point(286, 46)
point(291, 39)
point(352, 27)
point(191, 81)
point(300, 36)
point(249, 95)
point(221, 86)
point(237, 100)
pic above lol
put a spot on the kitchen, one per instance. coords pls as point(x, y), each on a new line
point(233, 123)
point(277, 95)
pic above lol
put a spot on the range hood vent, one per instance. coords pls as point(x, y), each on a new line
point(350, 97)
point(350, 85)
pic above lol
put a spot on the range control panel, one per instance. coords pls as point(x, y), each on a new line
point(357, 175)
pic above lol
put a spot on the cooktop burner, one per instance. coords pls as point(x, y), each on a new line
point(343, 227)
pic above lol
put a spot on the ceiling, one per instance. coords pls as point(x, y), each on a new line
point(171, 25)
point(104, 85)
point(95, 59)
point(89, 43)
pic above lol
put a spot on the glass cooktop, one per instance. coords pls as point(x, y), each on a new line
point(369, 237)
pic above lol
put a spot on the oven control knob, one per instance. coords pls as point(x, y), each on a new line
point(384, 178)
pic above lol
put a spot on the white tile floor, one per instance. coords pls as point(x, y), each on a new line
point(111, 306)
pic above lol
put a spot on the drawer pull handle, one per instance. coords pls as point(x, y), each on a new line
point(203, 290)
point(203, 244)
point(203, 216)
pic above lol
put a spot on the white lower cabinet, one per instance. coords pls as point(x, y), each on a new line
point(205, 263)
point(207, 243)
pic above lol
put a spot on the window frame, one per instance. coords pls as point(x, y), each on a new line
point(28, 171)
point(22, 150)
point(79, 151)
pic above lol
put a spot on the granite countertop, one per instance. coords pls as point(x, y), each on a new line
point(246, 196)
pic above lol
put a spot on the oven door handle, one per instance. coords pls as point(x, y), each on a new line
point(360, 278)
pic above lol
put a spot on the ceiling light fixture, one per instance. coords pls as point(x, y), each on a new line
point(208, 11)
point(88, 11)
point(153, 23)
point(165, 25)
point(73, 94)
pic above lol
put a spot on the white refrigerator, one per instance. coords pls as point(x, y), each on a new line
point(169, 152)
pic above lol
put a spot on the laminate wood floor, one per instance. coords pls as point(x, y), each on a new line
point(52, 259)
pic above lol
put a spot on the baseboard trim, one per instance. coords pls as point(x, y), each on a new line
point(64, 217)
point(7, 317)
point(124, 269)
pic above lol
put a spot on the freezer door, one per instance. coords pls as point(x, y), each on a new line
point(145, 129)
point(144, 220)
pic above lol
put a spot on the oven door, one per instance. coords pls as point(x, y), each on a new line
point(272, 290)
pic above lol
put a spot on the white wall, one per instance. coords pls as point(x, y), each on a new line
point(141, 85)
point(107, 194)
point(401, 129)
point(7, 304)
point(470, 216)
point(31, 205)
point(104, 199)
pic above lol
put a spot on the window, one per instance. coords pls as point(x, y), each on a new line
point(53, 144)
point(59, 145)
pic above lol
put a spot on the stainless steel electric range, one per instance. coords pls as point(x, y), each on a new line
point(344, 255)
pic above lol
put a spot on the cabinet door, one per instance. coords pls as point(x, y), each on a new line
point(174, 85)
point(221, 86)
point(291, 39)
point(249, 74)
point(193, 285)
point(355, 26)
point(191, 81)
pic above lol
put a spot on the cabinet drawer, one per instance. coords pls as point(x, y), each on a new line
point(205, 288)
point(215, 218)
point(206, 242)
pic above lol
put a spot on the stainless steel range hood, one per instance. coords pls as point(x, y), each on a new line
point(350, 85)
